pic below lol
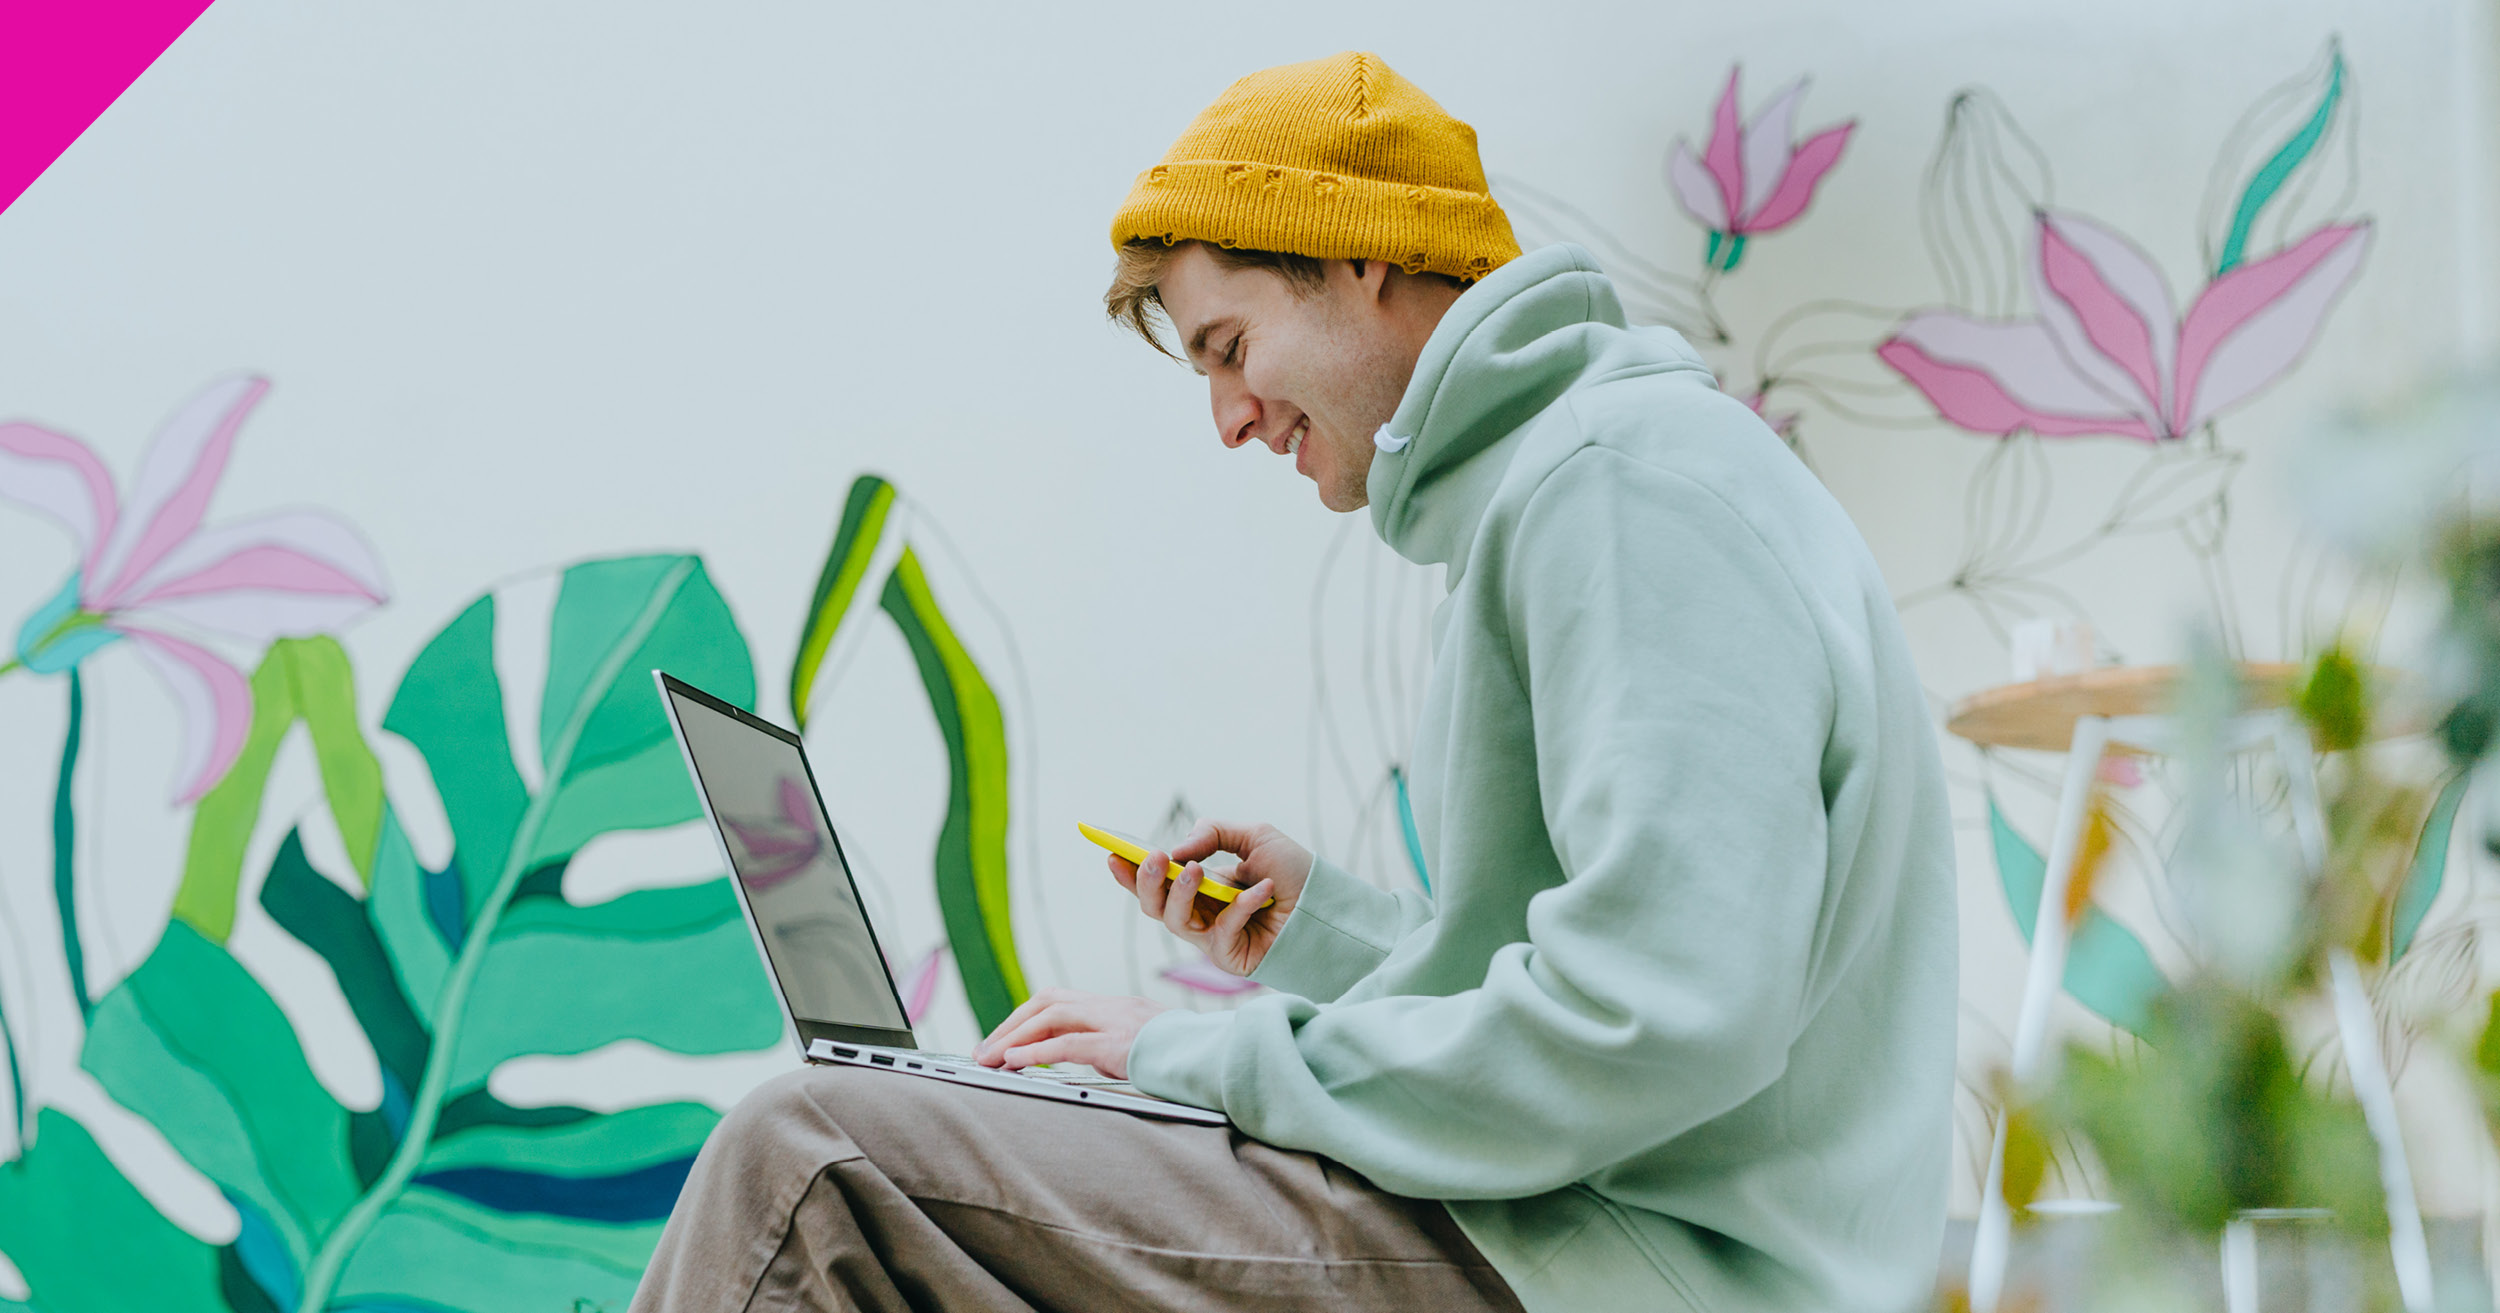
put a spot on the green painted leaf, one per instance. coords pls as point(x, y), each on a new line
point(87, 1241)
point(190, 1042)
point(2107, 967)
point(301, 680)
point(972, 842)
point(611, 759)
point(395, 903)
point(332, 922)
point(671, 967)
point(65, 850)
point(435, 1250)
point(846, 564)
point(450, 706)
point(609, 1143)
point(2429, 868)
point(529, 973)
point(2269, 180)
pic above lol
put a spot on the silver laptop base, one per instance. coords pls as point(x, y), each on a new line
point(1096, 1091)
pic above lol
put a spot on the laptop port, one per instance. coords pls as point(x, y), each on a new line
point(881, 1059)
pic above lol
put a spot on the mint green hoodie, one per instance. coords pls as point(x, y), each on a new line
point(1676, 1029)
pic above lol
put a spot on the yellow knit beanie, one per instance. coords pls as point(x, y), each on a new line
point(1337, 159)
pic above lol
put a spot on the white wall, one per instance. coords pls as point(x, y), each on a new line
point(545, 282)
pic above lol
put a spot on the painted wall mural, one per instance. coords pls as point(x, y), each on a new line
point(2055, 327)
point(443, 1195)
point(190, 1146)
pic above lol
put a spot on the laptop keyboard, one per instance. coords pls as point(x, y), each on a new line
point(1056, 1076)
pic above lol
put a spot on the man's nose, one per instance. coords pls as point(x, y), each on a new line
point(1236, 414)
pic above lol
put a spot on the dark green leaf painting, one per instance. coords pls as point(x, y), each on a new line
point(971, 858)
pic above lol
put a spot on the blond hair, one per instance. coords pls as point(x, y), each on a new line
point(1135, 298)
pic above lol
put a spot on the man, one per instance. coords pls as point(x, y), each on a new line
point(1676, 1029)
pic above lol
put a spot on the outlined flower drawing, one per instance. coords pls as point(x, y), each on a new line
point(2109, 353)
point(148, 571)
point(1754, 177)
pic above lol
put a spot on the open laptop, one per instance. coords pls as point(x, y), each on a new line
point(819, 950)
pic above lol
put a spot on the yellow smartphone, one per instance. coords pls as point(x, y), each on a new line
point(1114, 842)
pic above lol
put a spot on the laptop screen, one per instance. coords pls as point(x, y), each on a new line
point(806, 909)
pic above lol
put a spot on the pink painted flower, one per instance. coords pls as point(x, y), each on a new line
point(1753, 179)
point(2121, 770)
point(148, 571)
point(1205, 977)
point(2109, 353)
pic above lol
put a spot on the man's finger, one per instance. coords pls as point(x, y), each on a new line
point(1058, 1048)
point(1207, 838)
point(1224, 935)
point(1024, 1013)
point(1179, 906)
point(1122, 870)
point(1149, 890)
point(1057, 1019)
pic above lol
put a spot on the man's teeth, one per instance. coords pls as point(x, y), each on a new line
point(1293, 444)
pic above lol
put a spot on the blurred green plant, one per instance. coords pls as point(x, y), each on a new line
point(2236, 1100)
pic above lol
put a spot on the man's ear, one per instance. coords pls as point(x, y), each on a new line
point(1371, 276)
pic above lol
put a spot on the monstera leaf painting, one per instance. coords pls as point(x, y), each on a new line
point(444, 1197)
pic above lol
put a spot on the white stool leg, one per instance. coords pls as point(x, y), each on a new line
point(2357, 1027)
point(2239, 1266)
point(2041, 984)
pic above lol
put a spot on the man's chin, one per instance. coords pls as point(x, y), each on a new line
point(1343, 501)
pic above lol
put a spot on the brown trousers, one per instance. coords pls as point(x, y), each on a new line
point(842, 1188)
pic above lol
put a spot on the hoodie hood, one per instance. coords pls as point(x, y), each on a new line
point(1508, 348)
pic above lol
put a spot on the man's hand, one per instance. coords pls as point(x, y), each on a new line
point(1066, 1025)
point(1235, 936)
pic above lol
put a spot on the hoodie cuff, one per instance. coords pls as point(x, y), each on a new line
point(1341, 929)
point(1179, 1055)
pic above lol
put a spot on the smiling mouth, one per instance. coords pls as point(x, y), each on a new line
point(1293, 441)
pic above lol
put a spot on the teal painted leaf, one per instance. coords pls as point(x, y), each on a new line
point(2107, 967)
point(529, 973)
point(615, 622)
point(450, 705)
point(2429, 868)
point(65, 849)
point(87, 1241)
point(2292, 129)
point(671, 967)
point(587, 1143)
point(332, 922)
point(611, 762)
point(444, 1197)
point(435, 1250)
point(190, 1042)
point(410, 936)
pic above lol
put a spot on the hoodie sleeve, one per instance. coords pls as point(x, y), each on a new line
point(1340, 929)
point(1681, 699)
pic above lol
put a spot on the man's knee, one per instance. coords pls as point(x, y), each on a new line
point(777, 1121)
point(822, 1114)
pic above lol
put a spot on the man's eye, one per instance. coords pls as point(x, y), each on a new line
point(1232, 352)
